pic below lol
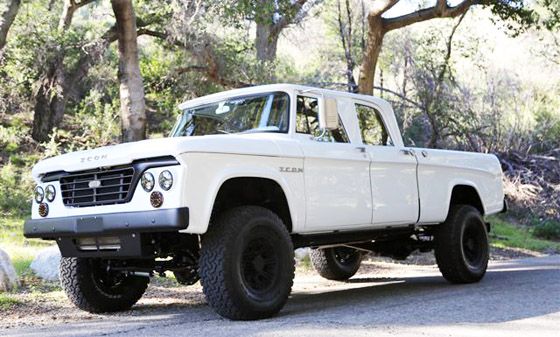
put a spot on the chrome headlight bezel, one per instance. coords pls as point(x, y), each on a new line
point(147, 181)
point(50, 193)
point(39, 194)
point(165, 180)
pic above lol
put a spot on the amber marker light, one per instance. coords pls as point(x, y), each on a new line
point(156, 199)
point(43, 209)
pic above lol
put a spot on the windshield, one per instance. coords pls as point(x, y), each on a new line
point(267, 112)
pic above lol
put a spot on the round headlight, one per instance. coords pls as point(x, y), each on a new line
point(165, 180)
point(39, 194)
point(147, 181)
point(50, 193)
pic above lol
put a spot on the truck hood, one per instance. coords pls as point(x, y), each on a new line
point(121, 154)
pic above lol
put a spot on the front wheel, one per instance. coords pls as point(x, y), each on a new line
point(93, 288)
point(336, 263)
point(247, 263)
point(461, 245)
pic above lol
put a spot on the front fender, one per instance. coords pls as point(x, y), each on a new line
point(207, 172)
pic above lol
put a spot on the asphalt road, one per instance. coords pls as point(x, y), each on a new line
point(516, 298)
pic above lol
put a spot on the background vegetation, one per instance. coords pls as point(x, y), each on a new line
point(485, 77)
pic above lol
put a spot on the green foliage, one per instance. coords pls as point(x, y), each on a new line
point(263, 12)
point(516, 13)
point(551, 15)
point(15, 191)
point(548, 230)
point(8, 301)
point(505, 234)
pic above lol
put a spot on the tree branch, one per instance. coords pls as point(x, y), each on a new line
point(440, 10)
point(7, 19)
point(404, 98)
point(382, 6)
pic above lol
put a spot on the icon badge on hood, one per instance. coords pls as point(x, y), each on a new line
point(93, 158)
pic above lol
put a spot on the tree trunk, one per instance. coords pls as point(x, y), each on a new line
point(50, 101)
point(6, 21)
point(51, 97)
point(266, 42)
point(375, 35)
point(133, 108)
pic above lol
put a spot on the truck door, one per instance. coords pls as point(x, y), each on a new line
point(392, 169)
point(336, 173)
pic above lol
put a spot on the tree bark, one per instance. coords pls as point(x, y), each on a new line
point(7, 19)
point(266, 42)
point(50, 101)
point(375, 36)
point(133, 107)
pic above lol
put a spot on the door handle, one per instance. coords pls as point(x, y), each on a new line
point(361, 149)
point(407, 152)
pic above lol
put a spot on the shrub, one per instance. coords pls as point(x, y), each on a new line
point(548, 229)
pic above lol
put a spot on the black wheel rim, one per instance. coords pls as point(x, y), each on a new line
point(110, 283)
point(259, 267)
point(346, 256)
point(474, 244)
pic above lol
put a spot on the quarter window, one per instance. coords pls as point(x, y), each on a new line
point(371, 126)
point(307, 122)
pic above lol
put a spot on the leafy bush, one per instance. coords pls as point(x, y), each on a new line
point(548, 229)
point(15, 190)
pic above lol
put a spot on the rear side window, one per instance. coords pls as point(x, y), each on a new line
point(307, 122)
point(372, 127)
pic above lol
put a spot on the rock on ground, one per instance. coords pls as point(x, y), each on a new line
point(8, 276)
point(46, 263)
point(301, 253)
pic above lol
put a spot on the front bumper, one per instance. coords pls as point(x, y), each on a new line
point(161, 220)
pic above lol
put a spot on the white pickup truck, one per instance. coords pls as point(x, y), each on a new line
point(245, 177)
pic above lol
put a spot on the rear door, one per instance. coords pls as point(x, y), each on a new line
point(336, 173)
point(393, 170)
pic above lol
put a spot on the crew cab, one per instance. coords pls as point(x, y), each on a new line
point(244, 178)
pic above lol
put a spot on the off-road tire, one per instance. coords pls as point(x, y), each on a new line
point(246, 264)
point(461, 245)
point(332, 265)
point(80, 280)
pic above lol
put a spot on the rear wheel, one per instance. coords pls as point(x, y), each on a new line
point(247, 263)
point(93, 288)
point(461, 245)
point(336, 263)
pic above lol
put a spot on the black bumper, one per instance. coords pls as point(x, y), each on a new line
point(161, 220)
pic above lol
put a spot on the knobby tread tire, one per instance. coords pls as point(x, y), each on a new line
point(220, 287)
point(324, 262)
point(448, 246)
point(76, 279)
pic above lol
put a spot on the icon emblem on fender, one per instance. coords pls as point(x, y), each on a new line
point(291, 169)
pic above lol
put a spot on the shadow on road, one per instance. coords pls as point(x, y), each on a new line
point(511, 293)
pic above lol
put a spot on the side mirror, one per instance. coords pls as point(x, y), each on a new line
point(328, 113)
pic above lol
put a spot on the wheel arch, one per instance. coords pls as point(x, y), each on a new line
point(261, 191)
point(466, 194)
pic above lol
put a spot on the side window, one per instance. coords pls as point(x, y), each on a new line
point(371, 126)
point(307, 122)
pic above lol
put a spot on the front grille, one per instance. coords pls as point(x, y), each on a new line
point(97, 187)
